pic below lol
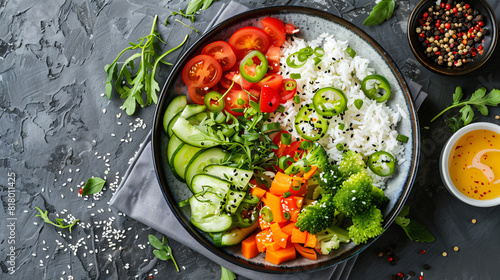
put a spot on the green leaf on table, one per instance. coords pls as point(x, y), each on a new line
point(413, 229)
point(60, 224)
point(155, 242)
point(381, 12)
point(163, 252)
point(196, 5)
point(227, 274)
point(93, 186)
point(162, 255)
point(457, 96)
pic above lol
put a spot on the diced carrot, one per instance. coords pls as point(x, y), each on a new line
point(263, 224)
point(280, 256)
point(299, 200)
point(263, 237)
point(299, 236)
point(299, 186)
point(294, 215)
point(249, 247)
point(306, 252)
point(311, 240)
point(274, 202)
point(311, 172)
point(279, 236)
point(273, 246)
point(258, 192)
point(288, 228)
point(281, 184)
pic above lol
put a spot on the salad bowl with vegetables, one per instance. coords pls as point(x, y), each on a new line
point(281, 147)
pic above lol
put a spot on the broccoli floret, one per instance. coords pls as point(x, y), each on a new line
point(355, 194)
point(330, 238)
point(378, 198)
point(318, 216)
point(315, 156)
point(366, 225)
point(330, 179)
point(351, 163)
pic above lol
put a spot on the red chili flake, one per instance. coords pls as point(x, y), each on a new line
point(80, 191)
point(390, 259)
point(480, 47)
point(422, 252)
point(421, 277)
point(401, 275)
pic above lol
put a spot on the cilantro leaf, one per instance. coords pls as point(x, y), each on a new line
point(381, 12)
point(415, 230)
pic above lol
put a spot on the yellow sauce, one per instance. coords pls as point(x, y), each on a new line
point(474, 164)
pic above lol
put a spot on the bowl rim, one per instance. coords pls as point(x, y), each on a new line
point(157, 130)
point(445, 71)
point(444, 159)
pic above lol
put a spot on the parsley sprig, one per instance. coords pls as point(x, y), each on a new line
point(131, 82)
point(59, 221)
point(163, 252)
point(479, 100)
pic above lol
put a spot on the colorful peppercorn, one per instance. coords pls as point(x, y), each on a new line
point(451, 33)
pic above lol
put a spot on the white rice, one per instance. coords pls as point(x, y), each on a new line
point(367, 130)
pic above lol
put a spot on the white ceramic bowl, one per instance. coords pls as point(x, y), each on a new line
point(444, 160)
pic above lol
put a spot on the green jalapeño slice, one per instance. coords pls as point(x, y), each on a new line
point(329, 101)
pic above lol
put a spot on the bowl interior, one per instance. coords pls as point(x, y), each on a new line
point(445, 159)
point(490, 41)
point(312, 23)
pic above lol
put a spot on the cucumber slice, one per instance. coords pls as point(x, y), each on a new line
point(202, 182)
point(234, 199)
point(176, 105)
point(206, 213)
point(174, 145)
point(192, 109)
point(182, 158)
point(239, 177)
point(236, 235)
point(196, 119)
point(171, 124)
point(193, 136)
point(208, 157)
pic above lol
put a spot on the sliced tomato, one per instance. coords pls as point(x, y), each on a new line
point(238, 79)
point(273, 59)
point(281, 147)
point(226, 83)
point(290, 28)
point(231, 101)
point(269, 100)
point(222, 52)
point(202, 71)
point(247, 39)
point(272, 80)
point(275, 28)
point(197, 94)
point(286, 93)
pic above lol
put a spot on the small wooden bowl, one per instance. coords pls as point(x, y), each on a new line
point(490, 40)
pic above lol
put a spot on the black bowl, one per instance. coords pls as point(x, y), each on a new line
point(490, 40)
point(313, 22)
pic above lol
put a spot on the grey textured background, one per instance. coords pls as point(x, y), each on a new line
point(57, 130)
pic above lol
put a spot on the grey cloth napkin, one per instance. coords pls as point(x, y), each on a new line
point(139, 192)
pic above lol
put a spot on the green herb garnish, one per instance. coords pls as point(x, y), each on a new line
point(93, 185)
point(479, 100)
point(59, 221)
point(381, 12)
point(131, 82)
point(413, 229)
point(163, 252)
point(226, 274)
point(196, 5)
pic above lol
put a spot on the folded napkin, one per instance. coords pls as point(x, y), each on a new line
point(139, 192)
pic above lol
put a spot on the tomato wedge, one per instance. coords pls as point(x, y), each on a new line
point(233, 106)
point(290, 28)
point(222, 52)
point(288, 89)
point(275, 28)
point(238, 79)
point(247, 39)
point(269, 100)
point(202, 71)
point(273, 59)
point(273, 81)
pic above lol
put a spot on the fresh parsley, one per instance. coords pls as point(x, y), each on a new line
point(381, 12)
point(131, 82)
point(196, 5)
point(59, 221)
point(415, 230)
point(479, 100)
point(226, 274)
point(163, 252)
point(93, 186)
